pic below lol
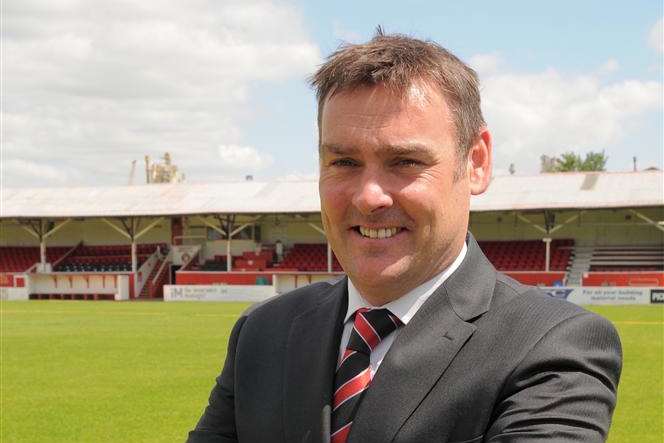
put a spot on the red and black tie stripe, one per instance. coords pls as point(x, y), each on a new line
point(353, 375)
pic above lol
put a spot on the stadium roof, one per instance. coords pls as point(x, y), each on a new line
point(543, 191)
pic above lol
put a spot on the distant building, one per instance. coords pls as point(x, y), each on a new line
point(165, 172)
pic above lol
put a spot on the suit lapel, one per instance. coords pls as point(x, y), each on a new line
point(416, 360)
point(311, 358)
point(424, 349)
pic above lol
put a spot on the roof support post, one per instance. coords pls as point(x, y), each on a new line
point(237, 230)
point(317, 228)
point(551, 229)
point(547, 258)
point(219, 228)
point(563, 224)
point(329, 257)
point(130, 227)
point(534, 225)
point(149, 227)
point(30, 231)
point(329, 248)
point(56, 228)
point(134, 257)
point(42, 244)
point(229, 228)
point(117, 229)
point(39, 230)
point(36, 229)
point(129, 232)
point(229, 257)
point(658, 225)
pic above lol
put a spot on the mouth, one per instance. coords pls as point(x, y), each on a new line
point(377, 233)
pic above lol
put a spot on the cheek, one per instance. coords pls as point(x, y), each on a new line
point(420, 201)
point(333, 201)
point(431, 205)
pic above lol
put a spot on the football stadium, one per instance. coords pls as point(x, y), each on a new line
point(400, 222)
point(117, 302)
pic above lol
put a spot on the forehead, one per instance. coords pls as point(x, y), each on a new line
point(375, 111)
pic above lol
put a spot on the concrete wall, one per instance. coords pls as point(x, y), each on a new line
point(73, 284)
point(13, 294)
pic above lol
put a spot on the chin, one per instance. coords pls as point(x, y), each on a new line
point(378, 274)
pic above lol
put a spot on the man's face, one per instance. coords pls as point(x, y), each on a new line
point(394, 211)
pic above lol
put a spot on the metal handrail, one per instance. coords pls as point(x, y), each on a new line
point(161, 269)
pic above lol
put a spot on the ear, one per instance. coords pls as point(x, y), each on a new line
point(480, 163)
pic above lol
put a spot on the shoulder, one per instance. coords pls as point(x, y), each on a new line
point(527, 313)
point(293, 303)
point(562, 365)
point(264, 328)
point(519, 299)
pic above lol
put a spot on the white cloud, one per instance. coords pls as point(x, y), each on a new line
point(611, 65)
point(39, 172)
point(344, 34)
point(531, 114)
point(96, 83)
point(242, 158)
point(486, 64)
point(656, 36)
point(298, 176)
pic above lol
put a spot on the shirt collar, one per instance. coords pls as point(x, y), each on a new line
point(406, 306)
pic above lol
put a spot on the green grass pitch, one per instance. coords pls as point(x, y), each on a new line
point(141, 372)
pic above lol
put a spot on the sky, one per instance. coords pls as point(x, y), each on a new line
point(88, 86)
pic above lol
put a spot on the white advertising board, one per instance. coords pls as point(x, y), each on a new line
point(217, 293)
point(14, 293)
point(603, 295)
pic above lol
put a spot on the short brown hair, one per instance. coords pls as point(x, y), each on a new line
point(397, 61)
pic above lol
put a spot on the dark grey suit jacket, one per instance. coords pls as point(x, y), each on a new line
point(484, 359)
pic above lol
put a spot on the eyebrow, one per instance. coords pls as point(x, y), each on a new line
point(336, 149)
point(405, 149)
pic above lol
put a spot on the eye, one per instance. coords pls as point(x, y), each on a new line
point(343, 162)
point(408, 162)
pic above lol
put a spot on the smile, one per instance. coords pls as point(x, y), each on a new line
point(377, 233)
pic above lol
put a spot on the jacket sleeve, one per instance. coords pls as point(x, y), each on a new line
point(217, 425)
point(564, 390)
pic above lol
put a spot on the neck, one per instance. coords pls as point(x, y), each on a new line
point(379, 295)
point(382, 291)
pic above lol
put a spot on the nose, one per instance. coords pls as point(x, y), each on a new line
point(372, 194)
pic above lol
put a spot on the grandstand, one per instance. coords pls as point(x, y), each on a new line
point(23, 258)
point(574, 229)
point(103, 258)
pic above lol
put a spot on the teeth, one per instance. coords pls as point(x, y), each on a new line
point(378, 233)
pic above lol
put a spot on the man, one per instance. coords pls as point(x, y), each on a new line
point(424, 341)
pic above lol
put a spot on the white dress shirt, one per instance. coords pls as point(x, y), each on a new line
point(405, 307)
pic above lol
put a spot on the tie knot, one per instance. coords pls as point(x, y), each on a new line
point(370, 327)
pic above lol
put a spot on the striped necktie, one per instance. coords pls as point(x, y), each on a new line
point(354, 372)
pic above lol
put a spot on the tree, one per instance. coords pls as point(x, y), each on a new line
point(594, 161)
point(571, 161)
